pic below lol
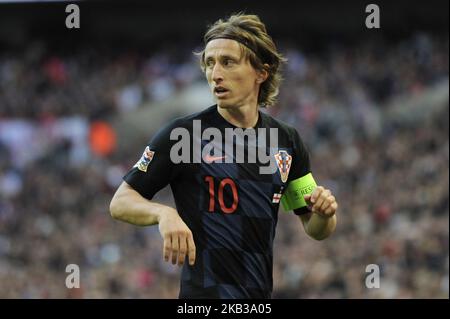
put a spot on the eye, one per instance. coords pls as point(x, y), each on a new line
point(228, 62)
point(209, 63)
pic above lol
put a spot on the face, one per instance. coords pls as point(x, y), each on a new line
point(232, 79)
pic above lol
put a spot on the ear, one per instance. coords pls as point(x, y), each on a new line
point(263, 74)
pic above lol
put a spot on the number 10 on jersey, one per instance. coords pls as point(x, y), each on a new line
point(225, 182)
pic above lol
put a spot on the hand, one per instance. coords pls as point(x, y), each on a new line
point(178, 239)
point(322, 202)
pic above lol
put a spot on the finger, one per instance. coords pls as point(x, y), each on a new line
point(182, 253)
point(167, 247)
point(323, 195)
point(327, 203)
point(334, 207)
point(175, 248)
point(191, 249)
point(316, 193)
point(330, 211)
point(307, 198)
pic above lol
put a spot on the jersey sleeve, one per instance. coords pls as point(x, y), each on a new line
point(300, 164)
point(300, 161)
point(154, 170)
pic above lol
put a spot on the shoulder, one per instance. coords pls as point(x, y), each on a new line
point(204, 114)
point(282, 127)
point(186, 121)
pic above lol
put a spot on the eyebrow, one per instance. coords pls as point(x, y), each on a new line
point(224, 56)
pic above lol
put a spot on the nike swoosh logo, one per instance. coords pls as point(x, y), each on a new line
point(210, 159)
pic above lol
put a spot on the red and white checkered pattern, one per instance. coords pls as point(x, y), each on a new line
point(284, 164)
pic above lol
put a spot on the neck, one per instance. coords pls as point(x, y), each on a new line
point(244, 117)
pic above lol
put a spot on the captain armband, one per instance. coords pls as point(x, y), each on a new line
point(293, 196)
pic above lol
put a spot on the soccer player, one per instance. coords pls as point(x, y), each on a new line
point(226, 204)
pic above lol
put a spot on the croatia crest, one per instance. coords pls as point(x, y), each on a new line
point(146, 158)
point(284, 161)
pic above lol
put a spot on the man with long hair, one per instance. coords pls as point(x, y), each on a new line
point(226, 203)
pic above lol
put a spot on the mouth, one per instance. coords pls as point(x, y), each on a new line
point(220, 91)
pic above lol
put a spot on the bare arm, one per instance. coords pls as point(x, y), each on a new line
point(317, 226)
point(129, 206)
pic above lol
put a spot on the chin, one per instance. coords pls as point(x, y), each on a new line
point(228, 104)
point(224, 104)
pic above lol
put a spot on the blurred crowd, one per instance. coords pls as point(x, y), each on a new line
point(94, 83)
point(390, 176)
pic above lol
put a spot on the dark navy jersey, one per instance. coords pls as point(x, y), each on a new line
point(231, 208)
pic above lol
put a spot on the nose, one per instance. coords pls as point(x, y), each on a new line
point(217, 75)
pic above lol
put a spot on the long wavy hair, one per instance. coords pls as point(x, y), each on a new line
point(256, 46)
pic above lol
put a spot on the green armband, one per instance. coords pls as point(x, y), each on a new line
point(293, 196)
